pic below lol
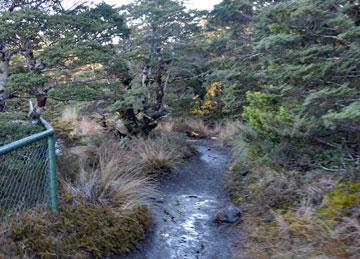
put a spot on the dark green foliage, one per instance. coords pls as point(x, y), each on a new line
point(53, 46)
point(295, 79)
point(311, 66)
point(13, 131)
point(236, 60)
point(26, 82)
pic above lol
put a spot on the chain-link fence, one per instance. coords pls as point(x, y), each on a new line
point(27, 173)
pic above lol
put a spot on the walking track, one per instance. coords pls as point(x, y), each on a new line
point(191, 200)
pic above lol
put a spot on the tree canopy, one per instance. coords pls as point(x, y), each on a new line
point(287, 68)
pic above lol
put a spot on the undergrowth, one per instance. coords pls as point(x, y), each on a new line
point(103, 212)
point(292, 213)
point(105, 187)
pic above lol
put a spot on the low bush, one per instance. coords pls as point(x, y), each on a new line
point(12, 131)
point(78, 232)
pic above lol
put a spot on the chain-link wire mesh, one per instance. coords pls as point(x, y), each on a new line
point(24, 178)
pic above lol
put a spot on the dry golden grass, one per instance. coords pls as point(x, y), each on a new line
point(103, 210)
point(74, 128)
point(194, 127)
point(70, 115)
point(198, 127)
point(113, 182)
point(298, 234)
point(349, 233)
point(224, 132)
point(120, 174)
point(168, 125)
point(88, 127)
point(159, 154)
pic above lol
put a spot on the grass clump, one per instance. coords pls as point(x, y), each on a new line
point(112, 182)
point(293, 215)
point(159, 154)
point(223, 132)
point(75, 129)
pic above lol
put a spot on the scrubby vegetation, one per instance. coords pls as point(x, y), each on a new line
point(296, 156)
point(105, 187)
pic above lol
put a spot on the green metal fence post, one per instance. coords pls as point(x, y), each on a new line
point(52, 167)
point(52, 174)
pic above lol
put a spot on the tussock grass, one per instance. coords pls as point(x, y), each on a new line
point(159, 154)
point(88, 127)
point(105, 184)
point(194, 127)
point(121, 174)
point(300, 233)
point(69, 115)
point(103, 209)
point(75, 129)
point(223, 132)
point(292, 215)
point(113, 182)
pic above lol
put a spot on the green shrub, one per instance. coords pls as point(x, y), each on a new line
point(341, 200)
point(12, 131)
point(263, 111)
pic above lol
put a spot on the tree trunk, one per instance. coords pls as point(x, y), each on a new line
point(145, 82)
point(41, 91)
point(159, 81)
point(4, 66)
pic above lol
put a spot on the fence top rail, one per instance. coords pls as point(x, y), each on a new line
point(28, 140)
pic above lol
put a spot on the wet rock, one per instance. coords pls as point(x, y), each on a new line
point(230, 215)
point(193, 196)
point(166, 212)
point(157, 200)
point(246, 172)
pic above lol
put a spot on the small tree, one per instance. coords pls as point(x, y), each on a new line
point(157, 26)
